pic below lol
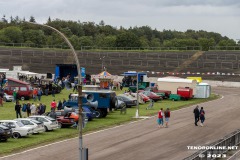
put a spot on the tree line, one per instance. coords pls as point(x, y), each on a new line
point(16, 30)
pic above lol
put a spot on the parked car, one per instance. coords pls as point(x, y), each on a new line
point(144, 97)
point(37, 126)
point(18, 129)
point(119, 104)
point(63, 113)
point(133, 96)
point(49, 123)
point(24, 89)
point(165, 94)
point(7, 98)
point(128, 101)
point(152, 95)
point(64, 119)
point(5, 133)
point(87, 110)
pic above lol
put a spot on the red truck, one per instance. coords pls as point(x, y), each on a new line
point(185, 93)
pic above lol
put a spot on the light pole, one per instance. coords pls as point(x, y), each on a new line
point(137, 111)
point(80, 120)
point(102, 62)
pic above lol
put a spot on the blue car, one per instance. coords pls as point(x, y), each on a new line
point(87, 111)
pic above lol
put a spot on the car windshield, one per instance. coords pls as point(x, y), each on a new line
point(35, 121)
point(20, 124)
point(126, 98)
point(49, 118)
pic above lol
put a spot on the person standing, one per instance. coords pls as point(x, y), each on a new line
point(39, 94)
point(202, 116)
point(35, 93)
point(18, 109)
point(53, 90)
point(53, 114)
point(64, 101)
point(167, 116)
point(14, 95)
point(59, 107)
point(196, 115)
point(24, 109)
point(43, 108)
point(33, 109)
point(53, 105)
point(160, 118)
point(28, 109)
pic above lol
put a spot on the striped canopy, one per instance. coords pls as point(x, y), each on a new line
point(104, 73)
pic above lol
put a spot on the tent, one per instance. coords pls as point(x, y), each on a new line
point(104, 78)
point(104, 74)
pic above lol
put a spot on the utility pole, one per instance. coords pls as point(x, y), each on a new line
point(80, 120)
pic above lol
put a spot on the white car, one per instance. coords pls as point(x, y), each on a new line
point(7, 98)
point(38, 127)
point(18, 129)
point(49, 123)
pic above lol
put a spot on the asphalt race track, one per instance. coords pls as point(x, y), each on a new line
point(143, 140)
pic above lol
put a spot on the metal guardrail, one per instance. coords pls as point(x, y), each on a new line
point(222, 146)
point(235, 156)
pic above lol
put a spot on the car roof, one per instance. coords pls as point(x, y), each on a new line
point(8, 121)
point(38, 116)
point(23, 119)
point(4, 127)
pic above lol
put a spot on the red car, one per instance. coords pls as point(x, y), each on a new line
point(65, 121)
point(152, 95)
point(144, 97)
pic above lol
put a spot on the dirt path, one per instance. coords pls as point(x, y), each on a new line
point(186, 63)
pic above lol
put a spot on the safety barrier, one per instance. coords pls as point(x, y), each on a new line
point(217, 149)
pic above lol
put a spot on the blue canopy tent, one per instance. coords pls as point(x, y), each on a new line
point(130, 80)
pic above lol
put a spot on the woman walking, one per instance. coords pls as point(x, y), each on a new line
point(202, 116)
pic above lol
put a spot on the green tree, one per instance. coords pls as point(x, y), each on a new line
point(127, 39)
point(75, 42)
point(32, 19)
point(86, 41)
point(155, 42)
point(206, 43)
point(35, 36)
point(144, 43)
point(14, 34)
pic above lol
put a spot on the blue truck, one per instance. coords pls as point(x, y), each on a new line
point(100, 100)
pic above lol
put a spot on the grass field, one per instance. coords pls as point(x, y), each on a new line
point(113, 118)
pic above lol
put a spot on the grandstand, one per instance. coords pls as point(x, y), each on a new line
point(220, 63)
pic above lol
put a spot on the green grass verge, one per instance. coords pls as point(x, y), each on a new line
point(114, 118)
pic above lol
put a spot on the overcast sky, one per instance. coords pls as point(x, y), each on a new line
point(221, 16)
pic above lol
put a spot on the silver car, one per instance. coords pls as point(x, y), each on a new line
point(38, 127)
point(7, 98)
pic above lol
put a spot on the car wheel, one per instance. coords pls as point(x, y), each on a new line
point(98, 113)
point(5, 99)
point(59, 125)
point(45, 129)
point(22, 98)
point(16, 135)
point(173, 99)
